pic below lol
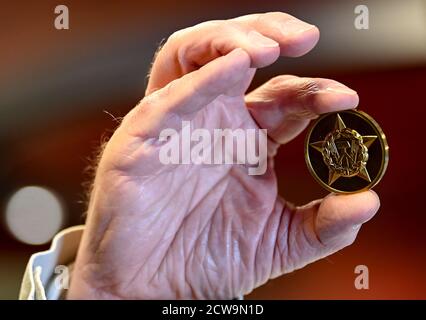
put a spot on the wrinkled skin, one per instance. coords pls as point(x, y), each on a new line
point(212, 231)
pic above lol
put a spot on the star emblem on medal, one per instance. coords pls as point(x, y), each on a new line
point(346, 151)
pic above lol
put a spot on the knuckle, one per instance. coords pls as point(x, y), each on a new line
point(234, 25)
point(185, 43)
point(281, 80)
point(212, 24)
point(308, 88)
point(151, 101)
point(307, 95)
point(179, 35)
point(176, 36)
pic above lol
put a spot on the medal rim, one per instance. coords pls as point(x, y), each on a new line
point(383, 145)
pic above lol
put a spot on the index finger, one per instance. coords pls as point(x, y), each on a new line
point(257, 34)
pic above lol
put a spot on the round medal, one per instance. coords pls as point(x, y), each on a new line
point(346, 151)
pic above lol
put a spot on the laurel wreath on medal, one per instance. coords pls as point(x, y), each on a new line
point(329, 150)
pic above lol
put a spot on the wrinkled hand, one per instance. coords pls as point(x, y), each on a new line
point(212, 231)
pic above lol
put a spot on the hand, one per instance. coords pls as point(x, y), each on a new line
point(200, 231)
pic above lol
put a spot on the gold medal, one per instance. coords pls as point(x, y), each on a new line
point(346, 151)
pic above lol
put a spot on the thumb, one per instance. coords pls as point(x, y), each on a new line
point(320, 228)
point(340, 216)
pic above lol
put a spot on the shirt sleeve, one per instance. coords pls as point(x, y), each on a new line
point(48, 273)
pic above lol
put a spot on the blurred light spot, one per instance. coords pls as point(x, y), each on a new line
point(34, 215)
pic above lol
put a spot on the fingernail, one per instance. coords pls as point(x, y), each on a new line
point(295, 26)
point(260, 40)
point(356, 227)
point(344, 90)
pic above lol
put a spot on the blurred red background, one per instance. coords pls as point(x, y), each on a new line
point(56, 84)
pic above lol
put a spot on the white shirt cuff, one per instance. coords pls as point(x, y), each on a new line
point(48, 273)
